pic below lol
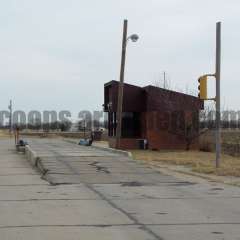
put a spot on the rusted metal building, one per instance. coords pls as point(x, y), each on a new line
point(153, 117)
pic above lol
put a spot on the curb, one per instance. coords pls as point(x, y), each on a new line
point(41, 167)
point(35, 160)
point(206, 177)
point(31, 155)
point(112, 150)
point(210, 178)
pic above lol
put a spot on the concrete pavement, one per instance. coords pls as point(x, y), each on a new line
point(101, 195)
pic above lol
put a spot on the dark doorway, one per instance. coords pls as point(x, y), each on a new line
point(131, 124)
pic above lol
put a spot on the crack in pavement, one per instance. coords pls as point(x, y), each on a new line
point(132, 218)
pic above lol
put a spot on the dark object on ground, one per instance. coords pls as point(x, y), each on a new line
point(143, 144)
point(85, 142)
point(22, 143)
point(20, 146)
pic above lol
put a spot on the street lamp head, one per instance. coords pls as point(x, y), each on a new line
point(134, 37)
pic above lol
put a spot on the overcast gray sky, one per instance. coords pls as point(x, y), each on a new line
point(57, 54)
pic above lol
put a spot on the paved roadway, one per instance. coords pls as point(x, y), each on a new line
point(100, 195)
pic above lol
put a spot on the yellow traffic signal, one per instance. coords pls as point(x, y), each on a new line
point(202, 87)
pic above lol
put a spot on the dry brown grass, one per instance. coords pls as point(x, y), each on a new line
point(202, 162)
point(4, 133)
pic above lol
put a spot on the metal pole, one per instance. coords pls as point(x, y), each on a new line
point(121, 84)
point(10, 116)
point(218, 106)
point(164, 80)
point(84, 129)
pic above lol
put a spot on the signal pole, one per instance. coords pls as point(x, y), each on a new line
point(218, 106)
point(203, 93)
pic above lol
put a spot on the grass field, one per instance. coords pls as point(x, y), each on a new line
point(201, 162)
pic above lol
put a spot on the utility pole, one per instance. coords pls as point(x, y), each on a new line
point(121, 84)
point(218, 106)
point(10, 116)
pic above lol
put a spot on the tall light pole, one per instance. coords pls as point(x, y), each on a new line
point(134, 38)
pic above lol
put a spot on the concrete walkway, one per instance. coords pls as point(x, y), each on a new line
point(107, 196)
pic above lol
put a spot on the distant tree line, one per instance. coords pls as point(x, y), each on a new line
point(63, 126)
point(37, 125)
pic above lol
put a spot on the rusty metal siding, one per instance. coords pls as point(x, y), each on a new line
point(150, 98)
point(165, 100)
point(160, 111)
point(133, 97)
